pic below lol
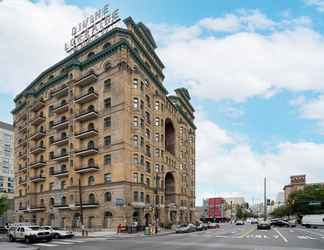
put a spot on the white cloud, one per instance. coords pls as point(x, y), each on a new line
point(32, 38)
point(319, 4)
point(228, 166)
point(288, 54)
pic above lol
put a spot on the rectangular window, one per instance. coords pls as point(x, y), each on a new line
point(148, 182)
point(108, 140)
point(142, 197)
point(107, 103)
point(135, 177)
point(108, 178)
point(142, 178)
point(135, 83)
point(157, 105)
point(157, 121)
point(148, 167)
point(135, 103)
point(107, 121)
point(107, 159)
point(135, 121)
point(135, 196)
point(157, 137)
point(107, 85)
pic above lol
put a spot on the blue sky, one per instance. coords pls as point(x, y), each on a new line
point(258, 93)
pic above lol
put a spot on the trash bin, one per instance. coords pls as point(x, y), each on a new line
point(147, 231)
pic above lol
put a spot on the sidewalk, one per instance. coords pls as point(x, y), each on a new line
point(114, 235)
point(16, 246)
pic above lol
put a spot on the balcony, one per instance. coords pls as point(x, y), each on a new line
point(37, 149)
point(38, 135)
point(38, 119)
point(61, 141)
point(22, 169)
point(38, 164)
point(61, 108)
point(89, 96)
point(88, 205)
point(61, 157)
point(22, 181)
point(62, 124)
point(60, 92)
point(90, 78)
point(86, 152)
point(37, 178)
point(60, 173)
point(87, 169)
point(61, 206)
point(37, 208)
point(37, 105)
point(22, 155)
point(86, 134)
point(22, 209)
point(86, 115)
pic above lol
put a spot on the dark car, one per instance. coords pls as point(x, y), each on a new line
point(281, 223)
point(264, 225)
point(201, 226)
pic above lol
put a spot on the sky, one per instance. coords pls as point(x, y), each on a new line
point(254, 70)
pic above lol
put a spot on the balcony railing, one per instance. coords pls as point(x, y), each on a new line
point(61, 141)
point(86, 115)
point(60, 92)
point(88, 205)
point(61, 157)
point(61, 124)
point(87, 169)
point(87, 151)
point(38, 119)
point(23, 155)
point(86, 134)
point(61, 108)
point(37, 149)
point(61, 206)
point(60, 173)
point(37, 178)
point(22, 181)
point(87, 97)
point(37, 105)
point(90, 78)
point(38, 135)
point(22, 169)
point(37, 208)
point(38, 164)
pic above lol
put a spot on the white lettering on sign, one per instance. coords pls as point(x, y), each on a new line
point(92, 27)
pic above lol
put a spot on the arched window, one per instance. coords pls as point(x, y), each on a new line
point(52, 201)
point(63, 200)
point(63, 102)
point(91, 162)
point(91, 108)
point(42, 202)
point(63, 167)
point(63, 135)
point(41, 143)
point(41, 129)
point(91, 180)
point(90, 126)
point(108, 196)
point(107, 66)
point(71, 181)
point(91, 90)
point(169, 136)
point(63, 151)
point(91, 144)
point(106, 45)
point(63, 118)
point(92, 199)
point(41, 158)
point(90, 54)
point(62, 185)
point(41, 188)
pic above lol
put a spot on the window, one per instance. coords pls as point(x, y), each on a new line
point(142, 160)
point(142, 178)
point(107, 103)
point(107, 159)
point(157, 105)
point(62, 185)
point(148, 182)
point(107, 140)
point(148, 117)
point(135, 121)
point(51, 155)
point(148, 167)
point(157, 168)
point(92, 199)
point(147, 199)
point(142, 123)
point(148, 150)
point(135, 83)
point(157, 137)
point(142, 105)
point(91, 54)
point(135, 103)
point(135, 196)
point(108, 178)
point(142, 141)
point(157, 152)
point(148, 133)
point(108, 196)
point(107, 85)
point(135, 140)
point(135, 159)
point(148, 101)
point(91, 180)
point(135, 177)
point(157, 121)
point(51, 170)
point(107, 122)
point(51, 186)
point(52, 201)
point(142, 86)
point(142, 197)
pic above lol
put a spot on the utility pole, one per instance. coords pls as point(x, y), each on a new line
point(265, 198)
point(81, 207)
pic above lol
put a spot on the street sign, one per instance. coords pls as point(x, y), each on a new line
point(314, 203)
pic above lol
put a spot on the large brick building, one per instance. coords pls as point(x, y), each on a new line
point(102, 122)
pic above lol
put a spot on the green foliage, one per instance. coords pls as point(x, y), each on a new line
point(242, 214)
point(300, 202)
point(3, 204)
point(281, 211)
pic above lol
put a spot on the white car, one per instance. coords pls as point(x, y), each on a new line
point(58, 233)
point(29, 234)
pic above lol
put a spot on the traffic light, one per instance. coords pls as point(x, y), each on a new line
point(268, 202)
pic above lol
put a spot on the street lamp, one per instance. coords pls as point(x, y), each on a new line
point(157, 179)
point(81, 207)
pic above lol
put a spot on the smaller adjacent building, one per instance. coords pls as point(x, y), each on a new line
point(216, 208)
point(297, 182)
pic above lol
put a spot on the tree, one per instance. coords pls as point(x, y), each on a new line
point(281, 211)
point(3, 205)
point(309, 200)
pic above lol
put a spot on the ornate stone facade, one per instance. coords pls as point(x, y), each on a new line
point(100, 123)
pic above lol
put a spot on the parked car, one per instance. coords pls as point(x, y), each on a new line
point(213, 225)
point(264, 225)
point(186, 228)
point(282, 223)
point(313, 220)
point(29, 234)
point(3, 230)
point(239, 222)
point(58, 233)
point(201, 226)
point(254, 221)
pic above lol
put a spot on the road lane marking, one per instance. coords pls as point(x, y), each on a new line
point(276, 236)
point(62, 243)
point(75, 241)
point(248, 232)
point(45, 245)
point(280, 234)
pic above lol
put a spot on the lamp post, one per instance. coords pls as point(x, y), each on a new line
point(157, 178)
point(81, 207)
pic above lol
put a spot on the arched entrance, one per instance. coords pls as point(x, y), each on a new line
point(136, 216)
point(169, 136)
point(170, 195)
point(108, 220)
point(147, 219)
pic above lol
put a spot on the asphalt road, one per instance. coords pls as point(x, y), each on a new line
point(227, 237)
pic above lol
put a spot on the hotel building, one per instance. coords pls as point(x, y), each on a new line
point(98, 137)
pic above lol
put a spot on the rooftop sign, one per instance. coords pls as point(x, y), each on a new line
point(92, 27)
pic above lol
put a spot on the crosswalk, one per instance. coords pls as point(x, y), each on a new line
point(56, 243)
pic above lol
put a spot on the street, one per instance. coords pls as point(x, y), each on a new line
point(227, 237)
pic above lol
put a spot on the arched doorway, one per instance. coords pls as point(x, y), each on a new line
point(76, 220)
point(169, 136)
point(136, 216)
point(170, 195)
point(147, 219)
point(108, 220)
